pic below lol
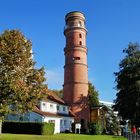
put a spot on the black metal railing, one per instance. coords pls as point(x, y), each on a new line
point(131, 136)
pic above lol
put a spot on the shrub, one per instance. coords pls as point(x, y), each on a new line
point(28, 128)
point(95, 128)
point(47, 129)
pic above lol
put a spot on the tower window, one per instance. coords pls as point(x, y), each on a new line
point(76, 58)
point(79, 24)
point(80, 42)
point(80, 35)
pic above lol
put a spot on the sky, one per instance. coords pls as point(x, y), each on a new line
point(111, 25)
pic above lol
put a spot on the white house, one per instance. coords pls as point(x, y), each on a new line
point(52, 109)
point(108, 104)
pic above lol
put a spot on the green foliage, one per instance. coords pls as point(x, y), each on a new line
point(47, 129)
point(128, 85)
point(95, 128)
point(113, 124)
point(21, 85)
point(93, 95)
point(28, 128)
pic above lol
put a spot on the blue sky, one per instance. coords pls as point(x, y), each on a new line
point(111, 25)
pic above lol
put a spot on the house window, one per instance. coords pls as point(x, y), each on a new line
point(51, 107)
point(65, 122)
point(64, 109)
point(57, 107)
point(80, 36)
point(61, 122)
point(21, 118)
point(80, 42)
point(36, 120)
point(44, 104)
point(51, 121)
point(13, 115)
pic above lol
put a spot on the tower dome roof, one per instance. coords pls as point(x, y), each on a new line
point(75, 14)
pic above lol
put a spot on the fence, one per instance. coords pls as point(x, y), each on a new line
point(131, 136)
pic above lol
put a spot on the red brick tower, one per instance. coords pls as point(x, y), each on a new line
point(75, 69)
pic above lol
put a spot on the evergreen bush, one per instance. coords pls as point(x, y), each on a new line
point(28, 128)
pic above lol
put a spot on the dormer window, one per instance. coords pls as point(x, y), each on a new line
point(64, 109)
point(57, 107)
point(51, 107)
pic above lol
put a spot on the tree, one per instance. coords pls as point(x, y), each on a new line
point(59, 93)
point(112, 123)
point(21, 84)
point(93, 95)
point(95, 128)
point(127, 102)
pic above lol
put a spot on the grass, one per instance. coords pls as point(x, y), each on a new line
point(59, 137)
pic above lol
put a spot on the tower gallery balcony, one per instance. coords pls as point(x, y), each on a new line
point(74, 26)
point(78, 26)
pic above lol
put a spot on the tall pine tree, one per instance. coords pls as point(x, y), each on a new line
point(128, 85)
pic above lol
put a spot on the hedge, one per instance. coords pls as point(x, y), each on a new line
point(28, 128)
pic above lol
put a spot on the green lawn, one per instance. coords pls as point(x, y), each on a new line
point(59, 137)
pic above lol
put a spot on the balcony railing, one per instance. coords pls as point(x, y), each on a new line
point(74, 26)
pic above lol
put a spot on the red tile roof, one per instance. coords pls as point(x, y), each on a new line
point(53, 97)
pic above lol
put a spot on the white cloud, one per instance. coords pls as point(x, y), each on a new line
point(55, 78)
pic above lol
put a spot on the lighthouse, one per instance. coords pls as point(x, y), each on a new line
point(75, 87)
